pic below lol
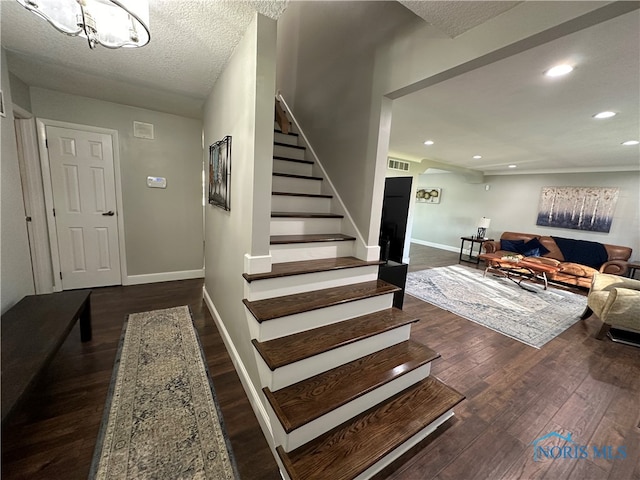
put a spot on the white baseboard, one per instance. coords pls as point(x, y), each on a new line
point(252, 394)
point(163, 277)
point(435, 245)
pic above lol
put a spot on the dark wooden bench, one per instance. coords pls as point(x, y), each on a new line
point(32, 332)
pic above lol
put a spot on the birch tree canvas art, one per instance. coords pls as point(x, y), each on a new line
point(580, 208)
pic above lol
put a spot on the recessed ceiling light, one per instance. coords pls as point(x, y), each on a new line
point(512, 166)
point(559, 70)
point(477, 157)
point(429, 142)
point(605, 115)
point(631, 142)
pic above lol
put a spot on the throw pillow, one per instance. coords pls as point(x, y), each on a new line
point(511, 245)
point(533, 248)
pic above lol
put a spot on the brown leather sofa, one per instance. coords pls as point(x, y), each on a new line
point(570, 272)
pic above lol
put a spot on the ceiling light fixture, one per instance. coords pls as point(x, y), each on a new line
point(477, 157)
point(512, 166)
point(605, 115)
point(429, 142)
point(631, 142)
point(559, 70)
point(110, 23)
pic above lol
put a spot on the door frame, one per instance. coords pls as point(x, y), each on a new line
point(41, 125)
point(31, 178)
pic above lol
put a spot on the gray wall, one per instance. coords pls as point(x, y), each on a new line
point(344, 81)
point(512, 205)
point(163, 227)
point(241, 105)
point(20, 92)
point(16, 278)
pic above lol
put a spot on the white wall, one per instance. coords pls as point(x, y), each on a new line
point(163, 227)
point(17, 277)
point(512, 205)
point(241, 105)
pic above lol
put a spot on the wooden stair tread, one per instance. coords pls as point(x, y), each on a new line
point(291, 175)
point(287, 269)
point(281, 144)
point(296, 160)
point(305, 215)
point(309, 399)
point(310, 238)
point(276, 307)
point(293, 348)
point(293, 194)
point(351, 448)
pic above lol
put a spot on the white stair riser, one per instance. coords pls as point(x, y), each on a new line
point(404, 448)
point(298, 371)
point(294, 168)
point(332, 419)
point(282, 138)
point(287, 203)
point(300, 322)
point(295, 185)
point(297, 252)
point(304, 226)
point(278, 287)
point(288, 152)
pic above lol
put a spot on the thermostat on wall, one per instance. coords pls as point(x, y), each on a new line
point(156, 182)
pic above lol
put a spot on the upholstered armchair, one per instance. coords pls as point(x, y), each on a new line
point(616, 301)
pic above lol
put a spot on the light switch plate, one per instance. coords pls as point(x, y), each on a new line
point(156, 182)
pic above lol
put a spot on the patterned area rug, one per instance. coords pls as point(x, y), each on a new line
point(498, 303)
point(162, 420)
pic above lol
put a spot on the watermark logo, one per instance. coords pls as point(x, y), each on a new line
point(546, 447)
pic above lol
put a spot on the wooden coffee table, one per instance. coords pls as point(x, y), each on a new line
point(518, 271)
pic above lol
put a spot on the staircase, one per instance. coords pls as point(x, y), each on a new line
point(346, 388)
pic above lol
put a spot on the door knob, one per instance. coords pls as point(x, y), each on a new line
point(108, 214)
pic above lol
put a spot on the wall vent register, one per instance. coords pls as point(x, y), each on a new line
point(398, 165)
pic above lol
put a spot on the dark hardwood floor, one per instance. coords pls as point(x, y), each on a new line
point(515, 394)
point(53, 435)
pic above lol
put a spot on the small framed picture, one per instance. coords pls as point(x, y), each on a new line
point(2, 104)
point(428, 195)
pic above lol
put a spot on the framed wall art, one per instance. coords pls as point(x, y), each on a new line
point(580, 208)
point(428, 195)
point(220, 173)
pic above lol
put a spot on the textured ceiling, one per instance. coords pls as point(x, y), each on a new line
point(510, 113)
point(191, 42)
point(456, 17)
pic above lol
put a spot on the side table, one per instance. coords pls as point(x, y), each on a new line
point(473, 240)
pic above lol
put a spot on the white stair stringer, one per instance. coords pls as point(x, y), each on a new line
point(290, 285)
point(300, 322)
point(295, 372)
point(297, 252)
point(305, 433)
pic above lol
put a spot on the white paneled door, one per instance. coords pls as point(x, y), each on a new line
point(84, 197)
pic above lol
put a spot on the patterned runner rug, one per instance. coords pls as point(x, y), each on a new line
point(498, 303)
point(162, 419)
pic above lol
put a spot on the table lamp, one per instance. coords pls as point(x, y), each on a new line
point(483, 224)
